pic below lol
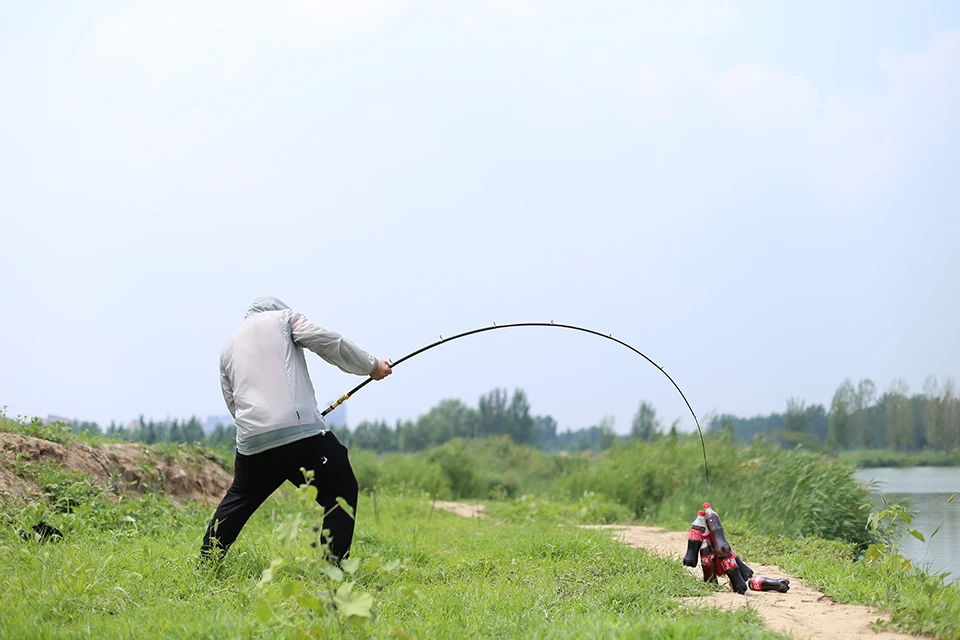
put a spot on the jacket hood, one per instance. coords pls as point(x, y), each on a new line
point(265, 303)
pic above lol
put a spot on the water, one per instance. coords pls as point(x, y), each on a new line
point(926, 491)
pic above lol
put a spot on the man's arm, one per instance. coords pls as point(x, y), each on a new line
point(333, 347)
point(227, 388)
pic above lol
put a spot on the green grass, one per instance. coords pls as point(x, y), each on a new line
point(918, 602)
point(869, 458)
point(130, 571)
point(129, 568)
point(660, 481)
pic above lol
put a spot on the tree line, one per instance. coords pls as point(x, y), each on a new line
point(861, 418)
point(498, 413)
point(183, 431)
point(858, 418)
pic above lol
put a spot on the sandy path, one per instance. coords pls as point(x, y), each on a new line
point(803, 612)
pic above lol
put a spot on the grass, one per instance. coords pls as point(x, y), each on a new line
point(918, 602)
point(130, 571)
point(128, 568)
point(660, 481)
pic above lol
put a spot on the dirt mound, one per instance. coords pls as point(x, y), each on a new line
point(113, 467)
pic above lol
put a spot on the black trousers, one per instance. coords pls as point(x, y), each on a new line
point(257, 476)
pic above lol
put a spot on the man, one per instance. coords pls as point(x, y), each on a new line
point(268, 391)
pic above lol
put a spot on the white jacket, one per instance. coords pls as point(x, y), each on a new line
point(264, 377)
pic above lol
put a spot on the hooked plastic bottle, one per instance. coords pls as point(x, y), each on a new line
point(697, 532)
point(760, 583)
point(707, 561)
point(715, 529)
point(728, 564)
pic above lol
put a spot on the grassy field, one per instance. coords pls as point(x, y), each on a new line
point(129, 568)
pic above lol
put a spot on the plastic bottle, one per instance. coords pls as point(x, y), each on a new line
point(707, 559)
point(760, 583)
point(745, 571)
point(719, 540)
point(728, 564)
point(697, 532)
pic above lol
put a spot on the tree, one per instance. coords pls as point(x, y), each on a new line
point(949, 417)
point(863, 401)
point(899, 415)
point(795, 419)
point(839, 429)
point(545, 429)
point(645, 422)
point(932, 423)
point(519, 422)
point(605, 433)
point(493, 413)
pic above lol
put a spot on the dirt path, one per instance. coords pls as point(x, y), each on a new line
point(803, 612)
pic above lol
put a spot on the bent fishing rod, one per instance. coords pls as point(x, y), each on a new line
point(496, 326)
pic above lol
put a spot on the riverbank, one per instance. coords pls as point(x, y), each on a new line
point(870, 458)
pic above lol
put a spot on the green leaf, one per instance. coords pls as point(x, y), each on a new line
point(409, 591)
point(390, 566)
point(874, 552)
point(287, 532)
point(350, 565)
point(916, 534)
point(307, 494)
point(950, 499)
point(268, 574)
point(936, 530)
point(263, 612)
point(345, 506)
point(290, 588)
point(334, 573)
point(312, 633)
point(310, 601)
point(353, 603)
point(371, 564)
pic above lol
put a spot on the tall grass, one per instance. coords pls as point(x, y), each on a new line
point(760, 488)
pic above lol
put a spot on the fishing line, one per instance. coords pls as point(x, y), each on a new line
point(495, 326)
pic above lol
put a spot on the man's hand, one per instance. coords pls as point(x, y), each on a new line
point(382, 371)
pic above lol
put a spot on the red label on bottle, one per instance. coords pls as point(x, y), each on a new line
point(706, 560)
point(696, 535)
point(730, 562)
point(756, 583)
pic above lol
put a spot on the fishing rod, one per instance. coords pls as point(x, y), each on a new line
point(495, 326)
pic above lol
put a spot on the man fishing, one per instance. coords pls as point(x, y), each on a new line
point(267, 388)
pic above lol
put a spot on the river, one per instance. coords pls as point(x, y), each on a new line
point(925, 490)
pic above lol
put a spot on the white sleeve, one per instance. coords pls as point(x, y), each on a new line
point(331, 346)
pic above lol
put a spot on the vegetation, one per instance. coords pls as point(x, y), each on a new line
point(130, 567)
point(858, 419)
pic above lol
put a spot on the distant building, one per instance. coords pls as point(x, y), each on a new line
point(52, 419)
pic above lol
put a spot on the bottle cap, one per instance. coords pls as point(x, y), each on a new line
point(701, 513)
point(706, 505)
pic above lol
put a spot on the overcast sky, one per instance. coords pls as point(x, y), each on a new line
point(761, 196)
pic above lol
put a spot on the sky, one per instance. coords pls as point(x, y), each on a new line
point(760, 196)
